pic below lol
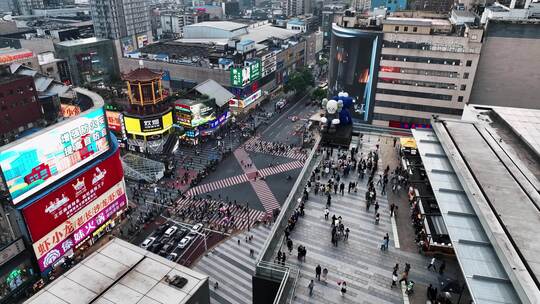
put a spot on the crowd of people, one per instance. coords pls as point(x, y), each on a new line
point(274, 148)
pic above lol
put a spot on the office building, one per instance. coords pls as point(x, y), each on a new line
point(427, 66)
point(391, 6)
point(437, 6)
point(90, 60)
point(25, 7)
point(128, 20)
point(328, 14)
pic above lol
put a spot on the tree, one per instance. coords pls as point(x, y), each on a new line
point(319, 94)
point(299, 81)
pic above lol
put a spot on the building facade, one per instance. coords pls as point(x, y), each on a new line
point(122, 19)
point(90, 60)
point(391, 6)
point(427, 66)
point(19, 106)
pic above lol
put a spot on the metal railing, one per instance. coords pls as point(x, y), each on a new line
point(265, 266)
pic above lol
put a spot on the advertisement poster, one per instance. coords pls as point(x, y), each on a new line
point(149, 125)
point(127, 45)
point(156, 124)
point(114, 121)
point(142, 41)
point(58, 206)
point(255, 70)
point(58, 242)
point(69, 110)
point(41, 160)
point(201, 114)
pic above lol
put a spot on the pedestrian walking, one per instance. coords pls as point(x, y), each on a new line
point(324, 274)
point(343, 289)
point(347, 233)
point(394, 278)
point(404, 277)
point(251, 252)
point(318, 272)
point(442, 267)
point(432, 264)
point(326, 212)
point(310, 286)
point(392, 209)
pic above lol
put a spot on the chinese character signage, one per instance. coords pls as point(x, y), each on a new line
point(153, 124)
point(143, 126)
point(245, 75)
point(255, 69)
point(40, 160)
point(114, 121)
point(63, 238)
point(58, 206)
point(69, 110)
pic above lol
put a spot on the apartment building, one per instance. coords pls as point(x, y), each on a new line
point(427, 67)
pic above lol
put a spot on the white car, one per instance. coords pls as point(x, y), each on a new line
point(148, 242)
point(172, 256)
point(170, 231)
point(184, 242)
point(196, 228)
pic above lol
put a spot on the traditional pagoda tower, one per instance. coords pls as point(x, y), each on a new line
point(145, 91)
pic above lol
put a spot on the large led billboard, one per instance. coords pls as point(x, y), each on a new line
point(148, 125)
point(59, 205)
point(245, 75)
point(78, 227)
point(35, 163)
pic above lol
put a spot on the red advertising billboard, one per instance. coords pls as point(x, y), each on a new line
point(81, 225)
point(58, 206)
point(114, 121)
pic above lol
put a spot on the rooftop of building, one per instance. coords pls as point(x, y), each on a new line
point(220, 25)
point(79, 42)
point(142, 75)
point(416, 21)
point(120, 272)
point(485, 170)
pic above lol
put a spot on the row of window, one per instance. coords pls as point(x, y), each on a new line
point(431, 60)
point(436, 73)
point(414, 29)
point(415, 94)
point(416, 107)
point(438, 47)
point(406, 119)
point(418, 83)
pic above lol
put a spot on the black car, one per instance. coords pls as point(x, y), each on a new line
point(180, 234)
point(155, 248)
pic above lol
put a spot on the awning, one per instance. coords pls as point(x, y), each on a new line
point(407, 142)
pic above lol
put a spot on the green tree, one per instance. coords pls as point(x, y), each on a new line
point(319, 94)
point(299, 81)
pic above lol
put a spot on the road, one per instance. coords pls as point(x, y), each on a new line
point(275, 188)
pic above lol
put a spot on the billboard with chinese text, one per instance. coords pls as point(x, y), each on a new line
point(65, 237)
point(114, 121)
point(58, 206)
point(148, 125)
point(245, 75)
point(35, 163)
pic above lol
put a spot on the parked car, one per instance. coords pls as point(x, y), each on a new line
point(156, 247)
point(170, 231)
point(197, 227)
point(162, 228)
point(184, 242)
point(172, 256)
point(148, 242)
point(165, 250)
point(180, 234)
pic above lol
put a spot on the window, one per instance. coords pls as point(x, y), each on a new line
point(406, 28)
point(469, 63)
point(396, 28)
point(463, 87)
point(465, 75)
point(460, 99)
point(415, 29)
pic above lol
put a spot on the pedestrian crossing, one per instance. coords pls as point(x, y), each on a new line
point(255, 144)
point(231, 266)
point(280, 168)
point(242, 219)
point(265, 195)
point(219, 184)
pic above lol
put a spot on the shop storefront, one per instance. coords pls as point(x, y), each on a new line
point(16, 272)
point(241, 105)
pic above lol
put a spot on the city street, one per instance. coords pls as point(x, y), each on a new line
point(244, 188)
